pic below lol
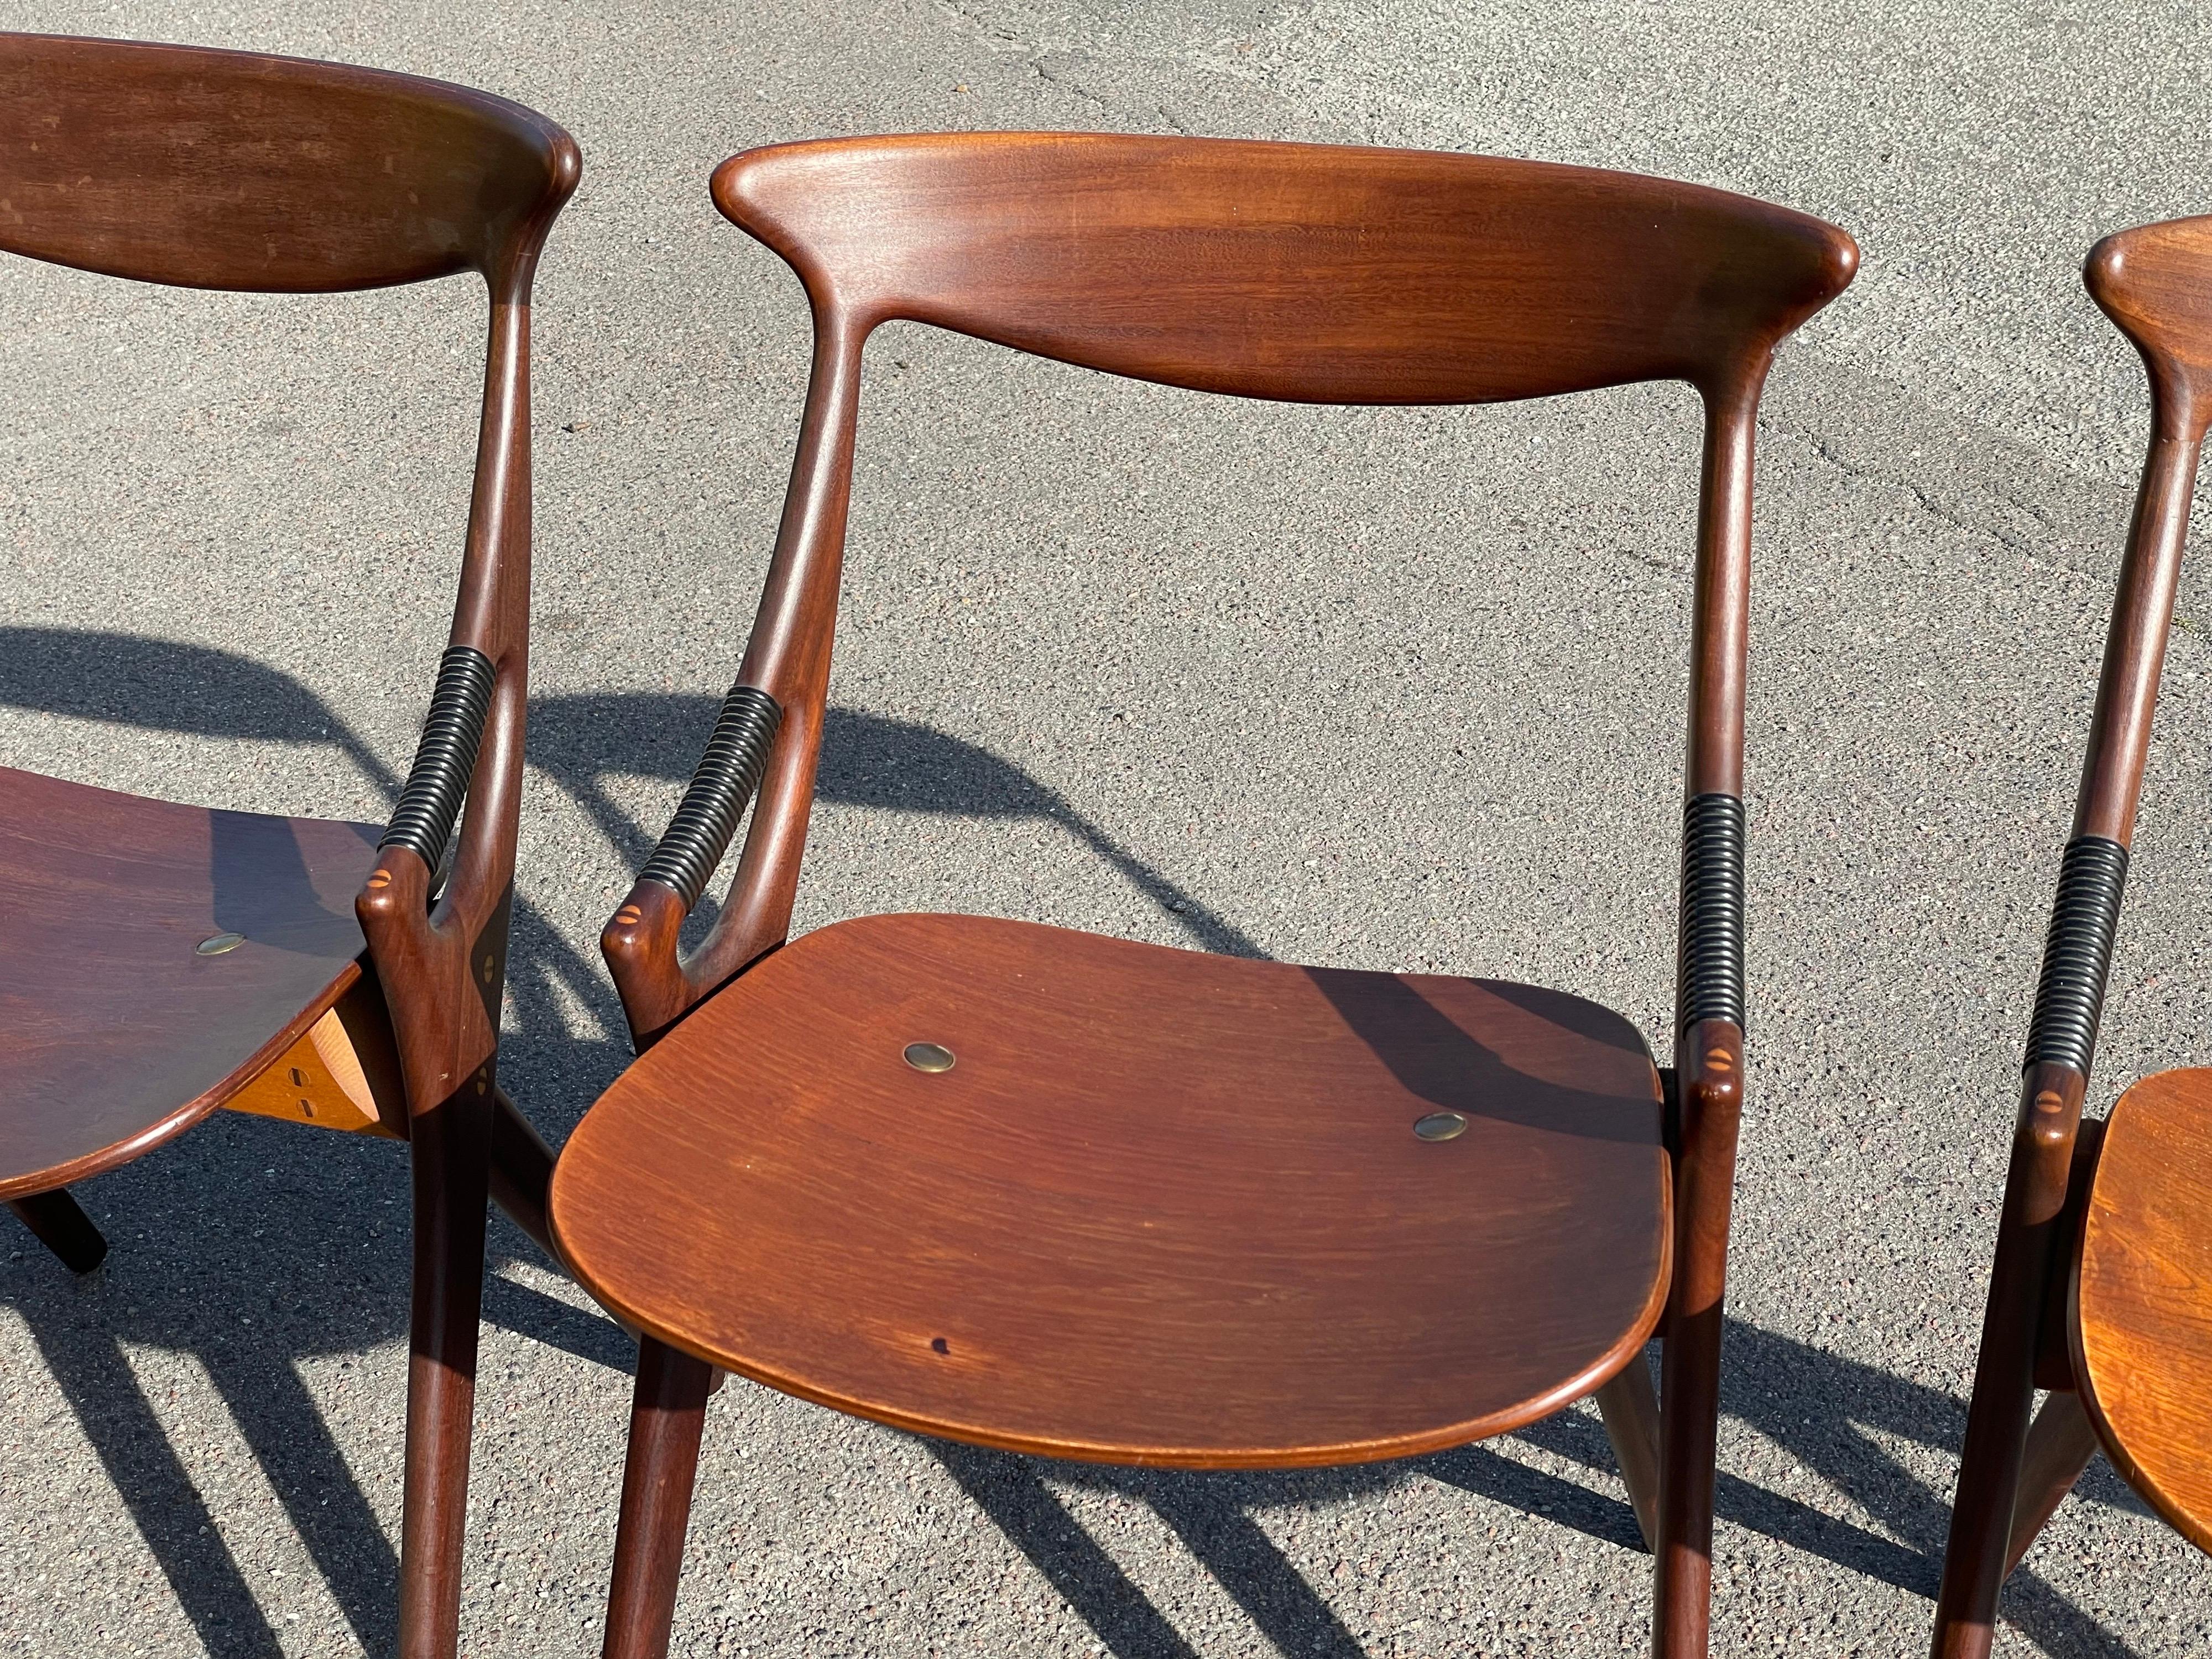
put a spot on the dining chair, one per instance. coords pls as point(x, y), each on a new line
point(158, 960)
point(2101, 1289)
point(1071, 1196)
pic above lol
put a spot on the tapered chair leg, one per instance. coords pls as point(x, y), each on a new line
point(450, 1148)
point(1629, 1407)
point(2060, 1444)
point(63, 1228)
point(1989, 1482)
point(666, 1415)
point(2028, 1246)
point(1710, 1112)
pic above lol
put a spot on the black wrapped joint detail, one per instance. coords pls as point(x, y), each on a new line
point(1709, 971)
point(2069, 997)
point(446, 759)
point(728, 773)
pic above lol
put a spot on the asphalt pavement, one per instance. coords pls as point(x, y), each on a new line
point(1373, 688)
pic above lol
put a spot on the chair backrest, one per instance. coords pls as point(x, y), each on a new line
point(203, 168)
point(1292, 271)
point(1297, 271)
point(2155, 283)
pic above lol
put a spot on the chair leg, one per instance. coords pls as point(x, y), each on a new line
point(450, 1147)
point(521, 1171)
point(2030, 1246)
point(2060, 1444)
point(666, 1415)
point(63, 1228)
point(1710, 1112)
point(1629, 1407)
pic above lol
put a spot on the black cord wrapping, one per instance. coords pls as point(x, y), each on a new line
point(728, 773)
point(1709, 971)
point(446, 759)
point(2069, 997)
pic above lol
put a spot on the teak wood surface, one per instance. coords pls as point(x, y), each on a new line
point(2141, 1318)
point(1164, 1207)
point(2051, 1307)
point(198, 167)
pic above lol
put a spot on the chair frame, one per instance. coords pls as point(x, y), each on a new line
point(171, 178)
point(2155, 283)
point(1765, 271)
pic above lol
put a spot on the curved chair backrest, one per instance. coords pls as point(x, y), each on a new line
point(200, 168)
point(203, 168)
point(1297, 271)
point(1292, 271)
point(2155, 283)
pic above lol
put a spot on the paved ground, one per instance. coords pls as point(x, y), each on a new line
point(1433, 626)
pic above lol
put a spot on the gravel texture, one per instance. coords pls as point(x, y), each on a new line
point(1366, 688)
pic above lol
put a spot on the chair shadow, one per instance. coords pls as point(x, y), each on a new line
point(317, 1267)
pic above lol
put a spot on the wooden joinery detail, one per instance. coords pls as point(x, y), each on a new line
point(343, 1074)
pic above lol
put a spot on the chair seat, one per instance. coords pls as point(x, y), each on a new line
point(2142, 1305)
point(1164, 1208)
point(114, 1033)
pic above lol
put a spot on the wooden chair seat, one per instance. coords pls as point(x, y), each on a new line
point(1164, 1208)
point(115, 1033)
point(2142, 1321)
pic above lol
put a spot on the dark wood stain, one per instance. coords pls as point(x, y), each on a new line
point(1167, 1208)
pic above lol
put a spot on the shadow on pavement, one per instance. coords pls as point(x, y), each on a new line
point(311, 1265)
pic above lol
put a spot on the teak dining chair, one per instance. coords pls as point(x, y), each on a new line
point(2101, 1291)
point(160, 961)
point(1042, 1190)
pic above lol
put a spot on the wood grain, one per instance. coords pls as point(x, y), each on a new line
point(1307, 272)
point(114, 1035)
point(2141, 1313)
point(1164, 1208)
point(1170, 1221)
point(204, 168)
point(344, 1074)
point(1297, 271)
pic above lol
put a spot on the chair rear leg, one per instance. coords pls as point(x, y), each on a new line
point(1989, 1475)
point(63, 1228)
point(1629, 1405)
point(2060, 1444)
point(666, 1415)
point(2030, 1228)
point(1710, 1064)
point(450, 1157)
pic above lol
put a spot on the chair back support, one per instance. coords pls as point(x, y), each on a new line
point(203, 168)
point(2155, 283)
point(1297, 271)
point(1290, 271)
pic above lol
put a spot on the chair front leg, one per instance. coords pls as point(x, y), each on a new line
point(1709, 1069)
point(450, 1158)
point(667, 1413)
